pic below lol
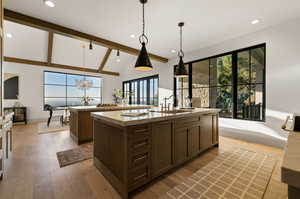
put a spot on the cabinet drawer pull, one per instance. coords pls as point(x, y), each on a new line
point(140, 158)
point(140, 145)
point(138, 131)
point(140, 176)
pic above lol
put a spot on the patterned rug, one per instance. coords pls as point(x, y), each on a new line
point(75, 155)
point(232, 175)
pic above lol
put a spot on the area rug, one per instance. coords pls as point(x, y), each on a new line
point(232, 175)
point(53, 127)
point(75, 155)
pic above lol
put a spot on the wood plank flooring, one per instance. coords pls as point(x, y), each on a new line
point(32, 170)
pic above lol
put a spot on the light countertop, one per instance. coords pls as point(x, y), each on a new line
point(108, 108)
point(117, 118)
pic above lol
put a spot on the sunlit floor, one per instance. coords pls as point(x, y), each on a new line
point(32, 170)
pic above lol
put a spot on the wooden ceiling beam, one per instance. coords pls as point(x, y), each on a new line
point(50, 47)
point(59, 66)
point(104, 60)
point(58, 29)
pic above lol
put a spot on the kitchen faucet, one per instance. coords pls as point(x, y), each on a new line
point(164, 106)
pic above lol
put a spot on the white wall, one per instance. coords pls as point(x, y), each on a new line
point(282, 81)
point(31, 88)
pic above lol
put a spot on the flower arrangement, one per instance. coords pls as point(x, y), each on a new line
point(120, 96)
point(86, 100)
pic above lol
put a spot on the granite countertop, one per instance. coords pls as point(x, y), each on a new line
point(117, 118)
point(108, 108)
point(290, 169)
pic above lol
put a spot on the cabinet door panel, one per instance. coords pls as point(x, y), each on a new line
point(180, 145)
point(161, 147)
point(206, 138)
point(194, 140)
point(215, 129)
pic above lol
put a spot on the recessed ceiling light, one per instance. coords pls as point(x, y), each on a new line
point(132, 36)
point(8, 35)
point(118, 60)
point(49, 3)
point(173, 51)
point(256, 21)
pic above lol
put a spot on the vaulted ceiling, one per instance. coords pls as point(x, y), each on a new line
point(207, 22)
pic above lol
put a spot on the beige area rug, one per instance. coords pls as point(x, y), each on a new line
point(75, 155)
point(53, 127)
point(232, 175)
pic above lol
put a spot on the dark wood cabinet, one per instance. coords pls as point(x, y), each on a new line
point(194, 140)
point(181, 145)
point(131, 156)
point(206, 130)
point(161, 147)
point(20, 113)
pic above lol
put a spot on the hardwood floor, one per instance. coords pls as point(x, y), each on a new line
point(32, 170)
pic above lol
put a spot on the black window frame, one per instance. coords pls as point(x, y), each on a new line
point(66, 85)
point(138, 97)
point(234, 79)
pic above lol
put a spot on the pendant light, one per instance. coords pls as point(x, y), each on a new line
point(143, 62)
point(180, 71)
point(91, 45)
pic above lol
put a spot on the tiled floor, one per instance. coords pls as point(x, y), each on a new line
point(234, 174)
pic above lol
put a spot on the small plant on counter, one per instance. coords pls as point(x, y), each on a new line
point(86, 100)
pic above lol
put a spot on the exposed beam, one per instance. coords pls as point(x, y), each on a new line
point(60, 66)
point(51, 27)
point(104, 60)
point(50, 47)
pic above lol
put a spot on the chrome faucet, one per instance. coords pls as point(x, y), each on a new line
point(165, 106)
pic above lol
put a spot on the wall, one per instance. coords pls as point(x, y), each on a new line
point(31, 88)
point(282, 80)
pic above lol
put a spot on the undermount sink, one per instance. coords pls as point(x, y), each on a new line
point(171, 111)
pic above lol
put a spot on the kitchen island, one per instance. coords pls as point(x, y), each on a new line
point(81, 123)
point(132, 151)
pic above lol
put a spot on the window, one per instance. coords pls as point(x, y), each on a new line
point(142, 91)
point(233, 82)
point(60, 89)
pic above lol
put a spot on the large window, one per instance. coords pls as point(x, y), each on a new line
point(233, 82)
point(142, 91)
point(62, 89)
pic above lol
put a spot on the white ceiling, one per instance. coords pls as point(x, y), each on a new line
point(207, 21)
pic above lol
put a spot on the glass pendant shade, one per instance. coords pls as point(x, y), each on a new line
point(143, 62)
point(180, 69)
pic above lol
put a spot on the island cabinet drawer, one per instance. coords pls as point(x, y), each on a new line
point(139, 130)
point(139, 145)
point(138, 177)
point(183, 122)
point(139, 159)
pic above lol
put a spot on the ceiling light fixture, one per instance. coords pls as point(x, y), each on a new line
point(49, 3)
point(8, 35)
point(132, 36)
point(173, 51)
point(143, 62)
point(91, 45)
point(180, 69)
point(256, 21)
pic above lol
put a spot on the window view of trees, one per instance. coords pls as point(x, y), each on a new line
point(233, 82)
point(142, 91)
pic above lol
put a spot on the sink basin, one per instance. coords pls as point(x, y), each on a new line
point(171, 111)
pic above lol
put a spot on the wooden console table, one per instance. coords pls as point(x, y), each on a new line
point(20, 113)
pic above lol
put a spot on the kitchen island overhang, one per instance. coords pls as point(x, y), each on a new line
point(132, 151)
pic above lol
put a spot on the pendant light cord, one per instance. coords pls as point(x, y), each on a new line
point(143, 38)
point(180, 53)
